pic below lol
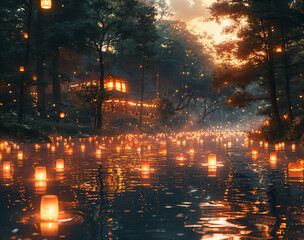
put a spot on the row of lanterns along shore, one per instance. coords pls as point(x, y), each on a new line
point(49, 206)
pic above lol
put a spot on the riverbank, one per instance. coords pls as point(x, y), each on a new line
point(288, 132)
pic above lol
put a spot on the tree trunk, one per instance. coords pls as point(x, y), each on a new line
point(142, 91)
point(101, 91)
point(40, 67)
point(56, 83)
point(272, 83)
point(25, 64)
point(287, 79)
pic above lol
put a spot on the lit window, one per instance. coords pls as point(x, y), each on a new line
point(118, 86)
point(123, 87)
point(110, 85)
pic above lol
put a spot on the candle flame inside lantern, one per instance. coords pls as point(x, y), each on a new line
point(46, 4)
point(49, 207)
point(293, 147)
point(40, 173)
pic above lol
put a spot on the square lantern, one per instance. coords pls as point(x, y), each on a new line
point(40, 173)
point(49, 208)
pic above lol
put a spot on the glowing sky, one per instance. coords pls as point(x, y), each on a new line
point(196, 14)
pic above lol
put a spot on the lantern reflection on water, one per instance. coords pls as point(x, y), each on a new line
point(49, 207)
point(40, 174)
point(49, 229)
point(211, 171)
point(40, 187)
point(59, 165)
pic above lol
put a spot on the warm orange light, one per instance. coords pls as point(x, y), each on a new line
point(293, 147)
point(273, 156)
point(37, 146)
point(59, 165)
point(266, 145)
point(20, 155)
point(49, 229)
point(53, 148)
point(8, 149)
point(98, 151)
point(40, 187)
point(229, 100)
point(40, 173)
point(212, 160)
point(46, 4)
point(229, 143)
point(21, 69)
point(278, 49)
point(254, 151)
point(6, 166)
point(62, 115)
point(82, 147)
point(295, 169)
point(25, 35)
point(118, 148)
point(181, 157)
point(191, 151)
point(49, 207)
point(211, 171)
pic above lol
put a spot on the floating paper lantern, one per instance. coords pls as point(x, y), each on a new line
point(266, 145)
point(98, 151)
point(6, 166)
point(46, 4)
point(229, 144)
point(82, 147)
point(293, 147)
point(20, 155)
point(278, 48)
point(40, 173)
point(254, 151)
point(62, 115)
point(181, 157)
point(21, 69)
point(59, 165)
point(25, 35)
point(295, 169)
point(191, 151)
point(212, 160)
point(273, 156)
point(48, 145)
point(49, 208)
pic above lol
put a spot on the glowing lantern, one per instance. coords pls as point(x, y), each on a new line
point(48, 145)
point(118, 148)
point(273, 156)
point(46, 4)
point(98, 151)
point(6, 166)
point(293, 147)
point(20, 155)
point(62, 115)
point(53, 148)
point(295, 169)
point(181, 157)
point(138, 149)
point(265, 145)
point(261, 143)
point(40, 173)
point(266, 123)
point(278, 49)
point(191, 151)
point(37, 146)
point(25, 35)
point(229, 143)
point(49, 229)
point(59, 165)
point(82, 147)
point(8, 149)
point(49, 208)
point(254, 151)
point(21, 69)
point(212, 160)
point(70, 151)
